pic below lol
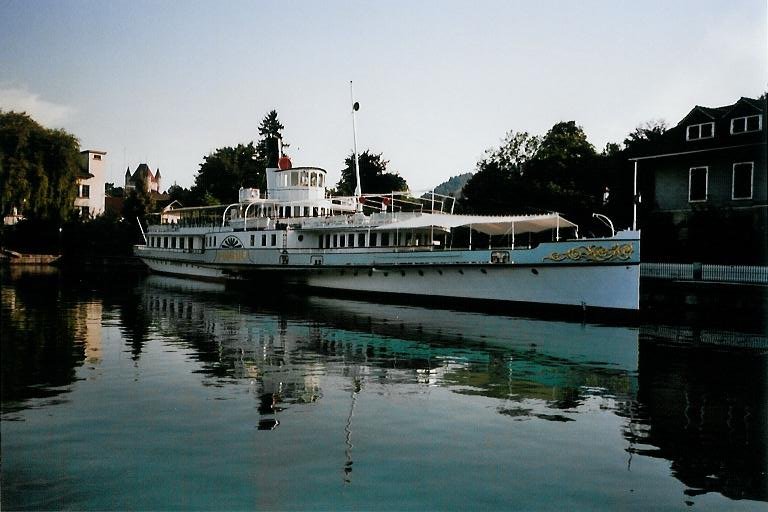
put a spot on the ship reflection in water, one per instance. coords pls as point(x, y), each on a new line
point(366, 405)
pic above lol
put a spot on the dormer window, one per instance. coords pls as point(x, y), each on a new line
point(700, 131)
point(746, 124)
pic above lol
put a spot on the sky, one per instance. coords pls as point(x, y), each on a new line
point(439, 82)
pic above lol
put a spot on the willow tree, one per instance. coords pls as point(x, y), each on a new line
point(39, 168)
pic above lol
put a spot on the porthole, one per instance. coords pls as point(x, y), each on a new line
point(301, 238)
point(534, 272)
point(421, 272)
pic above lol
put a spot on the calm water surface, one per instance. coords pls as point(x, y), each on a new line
point(124, 392)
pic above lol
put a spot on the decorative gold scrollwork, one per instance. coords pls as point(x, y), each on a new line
point(594, 253)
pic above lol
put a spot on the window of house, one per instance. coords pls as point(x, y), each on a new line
point(97, 157)
point(700, 131)
point(85, 211)
point(742, 180)
point(697, 184)
point(746, 124)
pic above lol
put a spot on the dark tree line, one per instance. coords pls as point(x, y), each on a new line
point(560, 171)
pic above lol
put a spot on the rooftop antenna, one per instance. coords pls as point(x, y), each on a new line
point(355, 108)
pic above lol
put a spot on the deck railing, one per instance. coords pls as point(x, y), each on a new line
point(752, 274)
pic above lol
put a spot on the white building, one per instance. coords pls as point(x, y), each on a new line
point(90, 185)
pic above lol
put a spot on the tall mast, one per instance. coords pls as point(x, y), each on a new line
point(355, 108)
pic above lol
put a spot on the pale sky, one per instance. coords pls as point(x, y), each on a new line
point(167, 82)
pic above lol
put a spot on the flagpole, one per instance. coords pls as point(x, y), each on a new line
point(355, 107)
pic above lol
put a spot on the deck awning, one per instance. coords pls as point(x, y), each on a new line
point(488, 224)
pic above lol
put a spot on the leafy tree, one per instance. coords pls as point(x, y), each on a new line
point(645, 136)
point(224, 171)
point(38, 168)
point(498, 185)
point(138, 203)
point(112, 191)
point(374, 178)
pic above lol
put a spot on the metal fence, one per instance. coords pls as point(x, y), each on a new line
point(751, 274)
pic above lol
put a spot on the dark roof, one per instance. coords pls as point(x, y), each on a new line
point(716, 113)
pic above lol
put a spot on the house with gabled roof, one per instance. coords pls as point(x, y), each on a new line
point(704, 187)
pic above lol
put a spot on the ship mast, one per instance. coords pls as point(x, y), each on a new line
point(355, 108)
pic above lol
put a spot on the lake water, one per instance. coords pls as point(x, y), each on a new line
point(125, 392)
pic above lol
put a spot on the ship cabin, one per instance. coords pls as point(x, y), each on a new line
point(298, 213)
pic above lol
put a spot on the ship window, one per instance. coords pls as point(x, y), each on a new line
point(320, 180)
point(263, 240)
point(304, 178)
point(273, 240)
point(313, 179)
point(361, 239)
point(335, 240)
point(181, 242)
point(253, 240)
point(314, 211)
point(746, 124)
point(700, 131)
point(697, 184)
point(287, 211)
point(294, 178)
point(320, 241)
point(297, 211)
point(374, 239)
point(385, 239)
point(351, 240)
point(165, 242)
point(342, 241)
point(173, 242)
point(306, 211)
point(328, 241)
point(742, 180)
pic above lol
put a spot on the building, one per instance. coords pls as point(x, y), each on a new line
point(703, 187)
point(142, 174)
point(90, 184)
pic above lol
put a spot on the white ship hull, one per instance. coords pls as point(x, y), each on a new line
point(528, 276)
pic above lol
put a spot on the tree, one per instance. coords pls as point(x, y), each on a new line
point(224, 171)
point(270, 128)
point(498, 185)
point(39, 168)
point(645, 136)
point(374, 178)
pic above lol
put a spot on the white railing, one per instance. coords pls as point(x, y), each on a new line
point(735, 273)
point(753, 274)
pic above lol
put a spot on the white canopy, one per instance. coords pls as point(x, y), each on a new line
point(488, 224)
